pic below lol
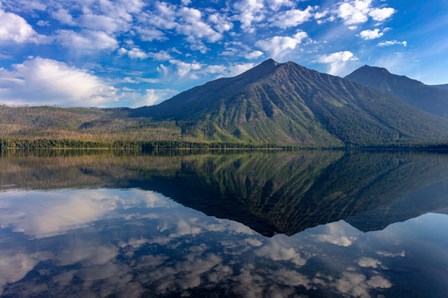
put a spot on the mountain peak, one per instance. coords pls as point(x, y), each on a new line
point(373, 69)
point(267, 65)
point(270, 61)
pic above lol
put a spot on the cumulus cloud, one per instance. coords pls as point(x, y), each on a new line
point(153, 97)
point(381, 14)
point(253, 55)
point(16, 29)
point(389, 43)
point(40, 81)
point(278, 251)
point(194, 27)
point(278, 45)
point(220, 22)
point(149, 34)
point(185, 69)
point(358, 285)
point(86, 40)
point(293, 18)
point(337, 61)
point(227, 70)
point(369, 263)
point(277, 4)
point(354, 12)
point(63, 16)
point(137, 53)
point(103, 23)
point(371, 34)
point(249, 12)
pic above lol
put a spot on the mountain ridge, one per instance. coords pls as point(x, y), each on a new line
point(433, 99)
point(272, 104)
point(286, 102)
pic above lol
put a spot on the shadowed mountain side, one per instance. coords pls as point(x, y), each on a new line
point(270, 193)
point(400, 209)
point(433, 99)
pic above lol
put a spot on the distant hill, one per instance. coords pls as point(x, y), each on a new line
point(433, 99)
point(290, 104)
point(280, 104)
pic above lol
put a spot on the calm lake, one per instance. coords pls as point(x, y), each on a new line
point(281, 224)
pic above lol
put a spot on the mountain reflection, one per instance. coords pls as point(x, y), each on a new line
point(222, 225)
point(270, 193)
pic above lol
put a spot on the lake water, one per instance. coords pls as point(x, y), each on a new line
point(285, 224)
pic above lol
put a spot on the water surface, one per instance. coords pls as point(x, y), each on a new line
point(285, 224)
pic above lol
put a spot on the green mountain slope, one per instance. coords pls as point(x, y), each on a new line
point(290, 104)
point(433, 99)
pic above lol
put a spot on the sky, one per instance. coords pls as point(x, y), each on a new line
point(130, 53)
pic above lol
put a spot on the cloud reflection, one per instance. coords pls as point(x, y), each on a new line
point(140, 243)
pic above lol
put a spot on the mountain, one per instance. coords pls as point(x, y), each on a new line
point(443, 86)
point(284, 103)
point(433, 99)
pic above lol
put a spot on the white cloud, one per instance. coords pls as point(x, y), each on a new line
point(137, 53)
point(381, 14)
point(103, 23)
point(371, 34)
point(134, 53)
point(249, 12)
point(193, 27)
point(354, 12)
point(160, 55)
point(338, 57)
point(41, 81)
point(163, 17)
point(149, 34)
point(163, 70)
point(16, 29)
point(369, 263)
point(253, 55)
point(227, 70)
point(154, 96)
point(278, 251)
point(86, 40)
point(276, 4)
point(277, 45)
point(336, 234)
point(17, 264)
point(357, 285)
point(220, 22)
point(389, 43)
point(42, 23)
point(337, 61)
point(63, 16)
point(185, 69)
point(292, 18)
point(239, 68)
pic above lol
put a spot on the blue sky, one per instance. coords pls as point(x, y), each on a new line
point(137, 52)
